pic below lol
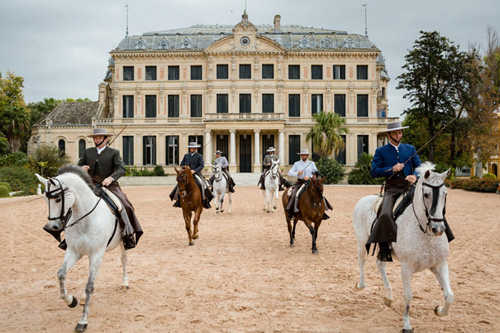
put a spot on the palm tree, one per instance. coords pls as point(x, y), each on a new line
point(15, 125)
point(326, 133)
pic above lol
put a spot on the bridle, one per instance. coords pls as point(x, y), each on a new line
point(182, 179)
point(314, 182)
point(429, 216)
point(274, 170)
point(64, 218)
point(218, 173)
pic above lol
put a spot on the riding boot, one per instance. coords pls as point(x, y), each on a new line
point(231, 189)
point(128, 242)
point(325, 217)
point(206, 204)
point(177, 203)
point(384, 252)
point(296, 204)
point(287, 184)
point(63, 246)
point(289, 215)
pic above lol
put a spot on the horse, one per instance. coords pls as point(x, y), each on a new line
point(190, 200)
point(219, 187)
point(271, 183)
point(90, 230)
point(421, 242)
point(311, 209)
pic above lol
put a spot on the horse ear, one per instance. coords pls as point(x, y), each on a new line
point(427, 174)
point(322, 180)
point(176, 170)
point(41, 179)
point(445, 174)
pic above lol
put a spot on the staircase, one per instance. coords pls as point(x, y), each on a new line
point(245, 178)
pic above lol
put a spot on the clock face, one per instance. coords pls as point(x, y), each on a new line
point(245, 41)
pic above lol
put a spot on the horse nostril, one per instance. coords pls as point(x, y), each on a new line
point(434, 230)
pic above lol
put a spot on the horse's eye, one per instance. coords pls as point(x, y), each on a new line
point(426, 195)
point(58, 200)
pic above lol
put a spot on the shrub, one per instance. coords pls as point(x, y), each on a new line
point(481, 185)
point(20, 178)
point(6, 185)
point(16, 159)
point(489, 176)
point(158, 171)
point(331, 169)
point(48, 160)
point(360, 174)
point(4, 191)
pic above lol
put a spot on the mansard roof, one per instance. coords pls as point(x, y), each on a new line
point(290, 37)
point(71, 114)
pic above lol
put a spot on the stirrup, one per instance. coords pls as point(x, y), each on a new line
point(63, 245)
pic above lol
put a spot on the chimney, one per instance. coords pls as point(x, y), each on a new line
point(277, 19)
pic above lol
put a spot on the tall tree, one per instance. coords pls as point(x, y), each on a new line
point(15, 125)
point(435, 70)
point(326, 133)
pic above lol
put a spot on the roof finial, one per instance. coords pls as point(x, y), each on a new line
point(366, 26)
point(126, 31)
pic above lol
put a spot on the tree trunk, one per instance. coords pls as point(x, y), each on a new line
point(15, 144)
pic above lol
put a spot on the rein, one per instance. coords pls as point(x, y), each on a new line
point(435, 197)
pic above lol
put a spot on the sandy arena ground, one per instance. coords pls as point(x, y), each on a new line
point(241, 275)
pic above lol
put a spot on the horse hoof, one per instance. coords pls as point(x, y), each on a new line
point(437, 309)
point(216, 211)
point(388, 302)
point(81, 328)
point(196, 237)
point(358, 287)
point(407, 330)
point(73, 303)
point(125, 287)
point(315, 252)
point(292, 245)
point(191, 243)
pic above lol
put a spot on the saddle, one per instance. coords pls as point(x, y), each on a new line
point(402, 202)
point(110, 199)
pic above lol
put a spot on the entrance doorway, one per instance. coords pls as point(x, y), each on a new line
point(245, 153)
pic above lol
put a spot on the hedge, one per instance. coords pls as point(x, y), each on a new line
point(478, 185)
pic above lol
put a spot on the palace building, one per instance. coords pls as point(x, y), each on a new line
point(239, 89)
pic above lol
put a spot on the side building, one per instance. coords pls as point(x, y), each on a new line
point(236, 89)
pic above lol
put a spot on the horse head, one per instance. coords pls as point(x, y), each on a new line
point(274, 167)
point(184, 178)
point(316, 184)
point(431, 193)
point(59, 199)
point(217, 171)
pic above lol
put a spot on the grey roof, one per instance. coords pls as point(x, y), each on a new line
point(72, 113)
point(199, 37)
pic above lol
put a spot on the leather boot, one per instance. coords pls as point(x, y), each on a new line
point(384, 252)
point(128, 242)
point(325, 217)
point(177, 203)
point(63, 246)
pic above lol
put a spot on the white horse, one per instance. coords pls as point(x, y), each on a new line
point(421, 240)
point(219, 187)
point(90, 229)
point(271, 182)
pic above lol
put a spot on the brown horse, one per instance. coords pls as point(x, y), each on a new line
point(311, 209)
point(190, 199)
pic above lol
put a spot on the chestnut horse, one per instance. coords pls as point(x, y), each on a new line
point(311, 209)
point(190, 199)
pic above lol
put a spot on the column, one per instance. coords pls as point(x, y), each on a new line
point(281, 147)
point(232, 150)
point(256, 162)
point(208, 147)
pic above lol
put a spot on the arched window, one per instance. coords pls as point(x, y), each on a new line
point(81, 147)
point(62, 147)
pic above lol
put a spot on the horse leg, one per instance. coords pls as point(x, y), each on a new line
point(217, 200)
point(442, 274)
point(268, 201)
point(313, 235)
point(124, 267)
point(294, 225)
point(290, 231)
point(361, 263)
point(275, 204)
point(229, 210)
point(187, 221)
point(222, 202)
point(95, 263)
point(196, 219)
point(385, 281)
point(264, 193)
point(407, 295)
point(69, 260)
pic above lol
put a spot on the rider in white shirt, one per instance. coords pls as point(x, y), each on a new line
point(222, 160)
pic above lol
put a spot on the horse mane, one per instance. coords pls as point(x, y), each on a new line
point(69, 168)
point(426, 166)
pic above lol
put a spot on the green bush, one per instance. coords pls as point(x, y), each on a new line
point(489, 176)
point(481, 185)
point(331, 169)
point(158, 171)
point(133, 171)
point(6, 185)
point(48, 160)
point(20, 178)
point(444, 167)
point(4, 191)
point(360, 174)
point(16, 159)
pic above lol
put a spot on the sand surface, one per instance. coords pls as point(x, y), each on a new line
point(242, 276)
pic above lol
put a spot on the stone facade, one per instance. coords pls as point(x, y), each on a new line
point(238, 89)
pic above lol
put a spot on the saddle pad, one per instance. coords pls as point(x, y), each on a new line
point(378, 202)
point(290, 189)
point(113, 198)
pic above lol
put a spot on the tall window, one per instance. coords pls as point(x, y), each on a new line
point(341, 156)
point(150, 106)
point(62, 147)
point(293, 148)
point(362, 72)
point(222, 106)
point(82, 144)
point(151, 73)
point(149, 150)
point(196, 105)
point(222, 144)
point(199, 140)
point(128, 106)
point(339, 72)
point(339, 104)
point(196, 73)
point(362, 102)
point(268, 71)
point(128, 73)
point(267, 103)
point(294, 105)
point(362, 145)
point(317, 72)
point(173, 73)
point(172, 153)
point(294, 72)
point(222, 71)
point(173, 106)
point(128, 150)
point(245, 103)
point(316, 103)
point(245, 71)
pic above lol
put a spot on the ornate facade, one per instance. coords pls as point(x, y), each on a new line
point(237, 89)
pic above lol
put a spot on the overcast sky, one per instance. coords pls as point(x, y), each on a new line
point(61, 47)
